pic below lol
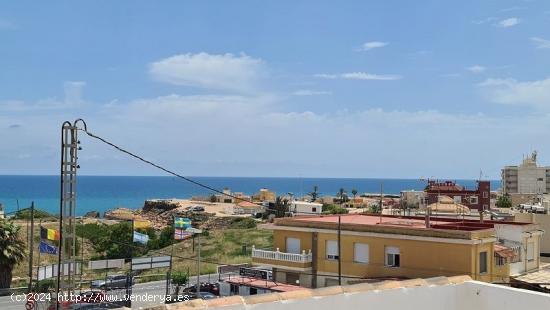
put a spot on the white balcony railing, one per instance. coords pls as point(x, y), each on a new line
point(282, 256)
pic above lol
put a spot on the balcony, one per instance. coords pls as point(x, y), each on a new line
point(281, 259)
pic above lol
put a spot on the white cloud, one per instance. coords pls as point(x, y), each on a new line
point(372, 45)
point(509, 22)
point(218, 72)
point(540, 42)
point(476, 69)
point(309, 92)
point(513, 92)
point(359, 76)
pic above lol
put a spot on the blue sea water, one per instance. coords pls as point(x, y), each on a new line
point(101, 193)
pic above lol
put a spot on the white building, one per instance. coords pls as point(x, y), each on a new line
point(527, 178)
point(413, 198)
point(305, 208)
point(526, 239)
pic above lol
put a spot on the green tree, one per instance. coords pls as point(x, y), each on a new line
point(179, 279)
point(354, 193)
point(213, 198)
point(504, 202)
point(117, 243)
point(334, 209)
point(314, 194)
point(281, 206)
point(12, 250)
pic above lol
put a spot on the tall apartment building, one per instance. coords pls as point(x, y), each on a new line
point(527, 178)
point(306, 249)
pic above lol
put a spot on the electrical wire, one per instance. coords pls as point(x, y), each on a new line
point(208, 187)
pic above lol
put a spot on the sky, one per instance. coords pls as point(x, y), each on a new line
point(391, 89)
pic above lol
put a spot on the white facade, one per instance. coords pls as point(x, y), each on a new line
point(305, 208)
point(527, 178)
point(527, 238)
point(412, 197)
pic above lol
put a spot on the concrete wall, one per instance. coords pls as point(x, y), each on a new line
point(467, 295)
point(543, 220)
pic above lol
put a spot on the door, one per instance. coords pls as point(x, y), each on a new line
point(293, 245)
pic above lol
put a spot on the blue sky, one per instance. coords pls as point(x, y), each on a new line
point(281, 88)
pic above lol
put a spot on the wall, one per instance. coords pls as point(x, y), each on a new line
point(543, 220)
point(418, 258)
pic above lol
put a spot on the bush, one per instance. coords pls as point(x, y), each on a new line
point(26, 214)
point(504, 202)
point(243, 223)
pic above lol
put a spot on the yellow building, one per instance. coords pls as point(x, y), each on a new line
point(266, 195)
point(373, 247)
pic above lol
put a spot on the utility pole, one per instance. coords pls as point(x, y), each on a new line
point(199, 265)
point(339, 250)
point(38, 268)
point(381, 200)
point(31, 245)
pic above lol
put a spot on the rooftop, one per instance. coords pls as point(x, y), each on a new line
point(452, 293)
point(407, 225)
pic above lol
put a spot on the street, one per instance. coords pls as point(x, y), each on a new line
point(144, 294)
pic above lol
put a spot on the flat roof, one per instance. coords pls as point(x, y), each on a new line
point(263, 284)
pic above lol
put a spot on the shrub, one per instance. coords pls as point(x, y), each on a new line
point(243, 223)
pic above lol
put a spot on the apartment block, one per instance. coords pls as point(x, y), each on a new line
point(527, 179)
point(306, 250)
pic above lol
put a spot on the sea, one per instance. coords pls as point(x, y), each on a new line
point(102, 193)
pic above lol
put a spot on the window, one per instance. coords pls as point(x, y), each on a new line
point(392, 256)
point(361, 253)
point(293, 245)
point(314, 209)
point(499, 260)
point(473, 200)
point(457, 199)
point(253, 291)
point(483, 262)
point(332, 249)
point(485, 194)
point(234, 289)
point(530, 251)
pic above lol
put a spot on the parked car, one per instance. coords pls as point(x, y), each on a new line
point(92, 297)
point(197, 209)
point(111, 282)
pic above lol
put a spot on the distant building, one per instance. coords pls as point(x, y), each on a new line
point(244, 207)
point(525, 182)
point(479, 198)
point(1, 211)
point(413, 198)
point(232, 197)
point(266, 195)
point(305, 208)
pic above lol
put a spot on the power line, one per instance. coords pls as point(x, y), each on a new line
point(163, 168)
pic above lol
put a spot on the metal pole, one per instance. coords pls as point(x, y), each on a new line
point(38, 268)
point(169, 276)
point(31, 244)
point(62, 197)
point(198, 264)
point(339, 251)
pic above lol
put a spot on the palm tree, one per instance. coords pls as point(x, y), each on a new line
point(354, 193)
point(12, 251)
point(315, 194)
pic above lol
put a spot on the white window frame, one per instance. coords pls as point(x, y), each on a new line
point(361, 248)
point(294, 240)
point(390, 252)
point(530, 251)
point(332, 254)
point(474, 200)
